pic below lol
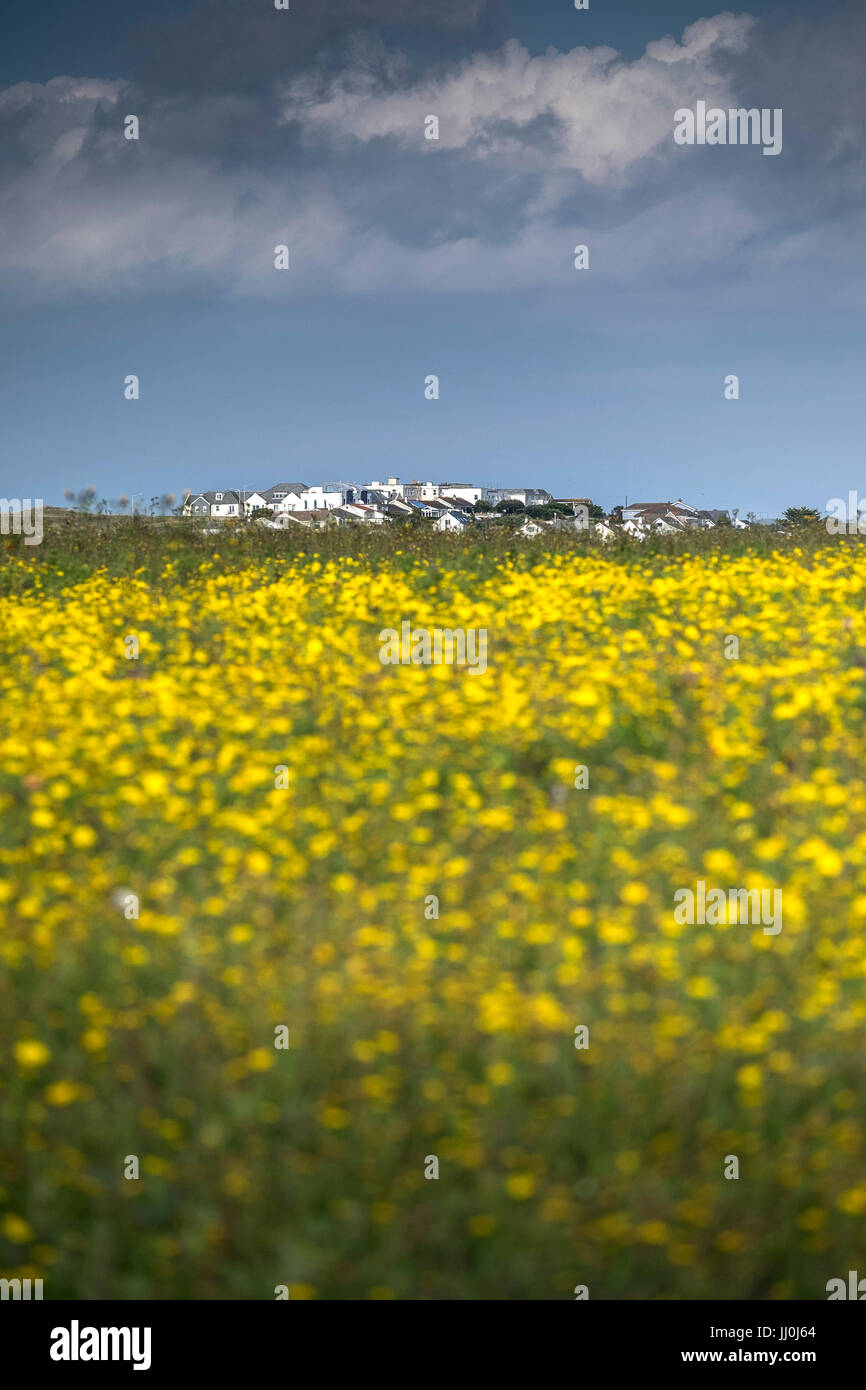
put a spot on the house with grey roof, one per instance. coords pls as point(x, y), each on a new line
point(452, 521)
point(279, 497)
point(224, 504)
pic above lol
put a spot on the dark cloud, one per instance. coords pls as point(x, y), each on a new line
point(536, 154)
point(243, 45)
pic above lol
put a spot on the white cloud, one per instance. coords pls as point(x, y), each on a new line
point(610, 113)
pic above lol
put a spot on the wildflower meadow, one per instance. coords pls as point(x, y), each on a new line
point(364, 980)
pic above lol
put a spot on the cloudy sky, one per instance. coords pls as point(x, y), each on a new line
point(410, 256)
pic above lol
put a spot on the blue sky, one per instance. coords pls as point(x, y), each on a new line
point(410, 257)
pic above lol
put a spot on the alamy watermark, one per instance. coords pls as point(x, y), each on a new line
point(18, 1289)
point(846, 518)
point(748, 906)
point(77, 1343)
point(422, 646)
point(737, 126)
point(22, 518)
point(856, 1288)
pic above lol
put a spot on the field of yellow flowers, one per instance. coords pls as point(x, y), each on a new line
point(172, 905)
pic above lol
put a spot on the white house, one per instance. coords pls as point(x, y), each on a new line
point(280, 497)
point(392, 488)
point(220, 504)
point(224, 504)
point(466, 492)
point(526, 495)
point(452, 521)
point(317, 498)
point(255, 501)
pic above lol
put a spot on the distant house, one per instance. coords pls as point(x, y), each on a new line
point(224, 504)
point(281, 497)
point(372, 497)
point(452, 521)
point(318, 498)
point(313, 519)
point(666, 524)
point(466, 492)
point(391, 488)
point(349, 492)
point(668, 516)
point(573, 502)
point(359, 511)
point(254, 502)
point(529, 496)
point(399, 510)
point(456, 503)
point(530, 528)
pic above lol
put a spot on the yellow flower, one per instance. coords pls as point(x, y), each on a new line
point(29, 1053)
point(334, 1117)
point(701, 987)
point(750, 1076)
point(853, 1201)
point(653, 1233)
point(634, 893)
point(16, 1229)
point(62, 1093)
